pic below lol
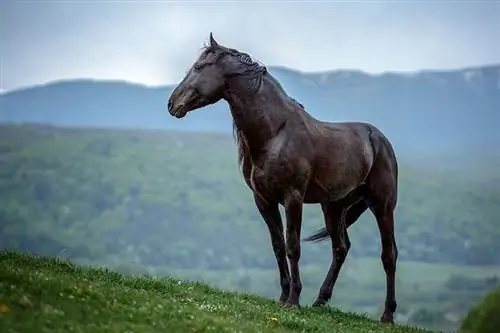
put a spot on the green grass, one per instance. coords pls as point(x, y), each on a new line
point(39, 294)
point(483, 318)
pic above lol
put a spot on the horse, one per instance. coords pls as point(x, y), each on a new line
point(289, 158)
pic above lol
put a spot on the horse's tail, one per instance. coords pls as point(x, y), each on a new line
point(318, 236)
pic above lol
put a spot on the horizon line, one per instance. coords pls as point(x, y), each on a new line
point(279, 67)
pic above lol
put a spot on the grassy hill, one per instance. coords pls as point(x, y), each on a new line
point(47, 295)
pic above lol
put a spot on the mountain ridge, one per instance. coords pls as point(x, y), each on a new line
point(409, 73)
point(422, 113)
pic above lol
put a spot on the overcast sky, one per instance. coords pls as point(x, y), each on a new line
point(154, 42)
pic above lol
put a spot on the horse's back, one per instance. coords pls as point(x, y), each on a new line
point(365, 130)
point(384, 162)
point(343, 137)
point(347, 152)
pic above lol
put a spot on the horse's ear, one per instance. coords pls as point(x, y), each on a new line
point(213, 43)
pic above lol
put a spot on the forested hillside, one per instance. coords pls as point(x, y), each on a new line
point(178, 199)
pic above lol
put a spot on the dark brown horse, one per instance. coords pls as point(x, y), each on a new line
point(288, 157)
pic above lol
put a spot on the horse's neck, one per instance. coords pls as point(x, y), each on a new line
point(258, 116)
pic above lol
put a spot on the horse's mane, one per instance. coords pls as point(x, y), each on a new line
point(253, 71)
point(248, 66)
point(243, 151)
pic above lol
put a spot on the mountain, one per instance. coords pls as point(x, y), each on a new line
point(427, 113)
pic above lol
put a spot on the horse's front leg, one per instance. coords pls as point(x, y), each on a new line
point(271, 215)
point(293, 210)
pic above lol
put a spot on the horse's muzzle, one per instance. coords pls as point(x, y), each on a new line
point(180, 104)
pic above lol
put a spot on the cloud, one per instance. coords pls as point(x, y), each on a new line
point(156, 42)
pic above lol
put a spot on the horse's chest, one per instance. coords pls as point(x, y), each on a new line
point(258, 179)
point(264, 181)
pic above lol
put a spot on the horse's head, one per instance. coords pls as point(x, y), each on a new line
point(206, 81)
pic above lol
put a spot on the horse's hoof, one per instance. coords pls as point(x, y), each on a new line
point(319, 303)
point(282, 300)
point(386, 319)
point(291, 305)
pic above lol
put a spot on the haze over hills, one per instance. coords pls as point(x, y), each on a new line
point(423, 113)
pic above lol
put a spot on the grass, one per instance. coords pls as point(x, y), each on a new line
point(483, 318)
point(39, 294)
point(360, 288)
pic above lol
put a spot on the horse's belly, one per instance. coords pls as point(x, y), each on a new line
point(336, 182)
point(315, 194)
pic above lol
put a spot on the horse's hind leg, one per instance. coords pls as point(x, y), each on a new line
point(382, 204)
point(333, 220)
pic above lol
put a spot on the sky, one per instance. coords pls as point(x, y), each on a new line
point(155, 42)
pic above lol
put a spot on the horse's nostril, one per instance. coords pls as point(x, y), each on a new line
point(169, 104)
